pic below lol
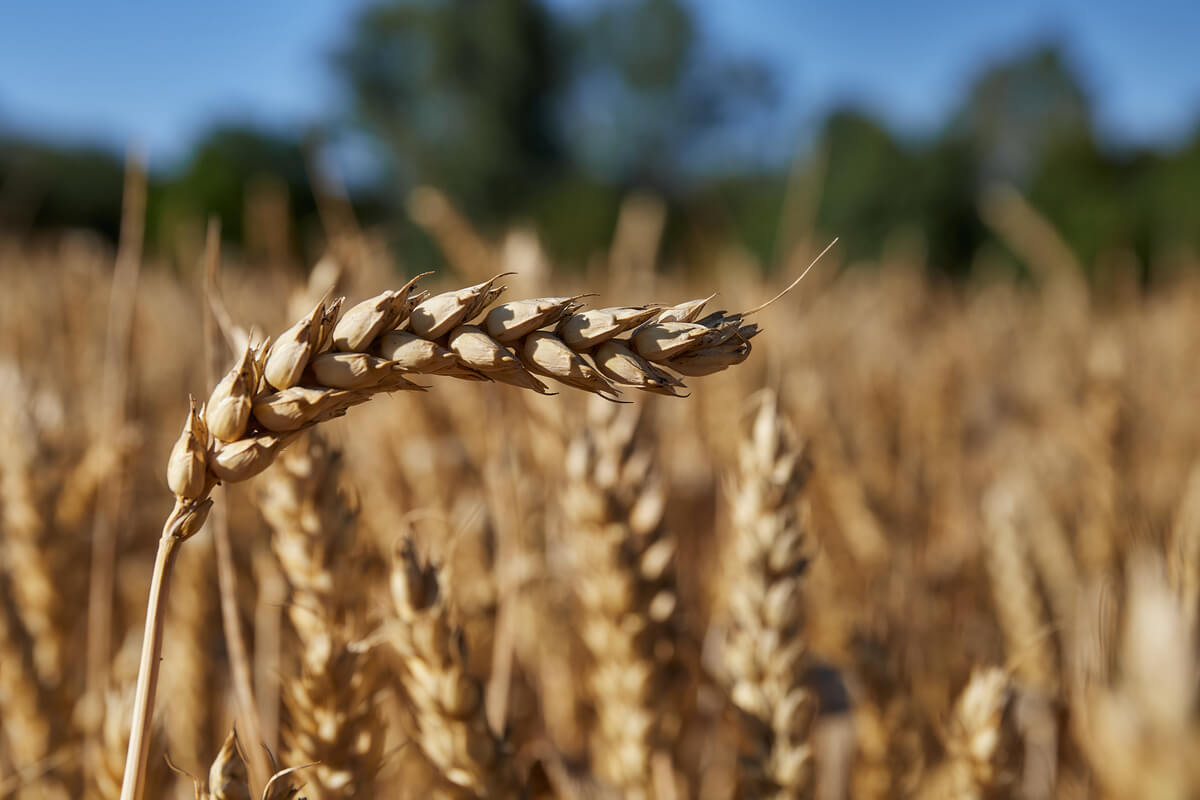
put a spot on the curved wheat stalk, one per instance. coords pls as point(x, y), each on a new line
point(328, 362)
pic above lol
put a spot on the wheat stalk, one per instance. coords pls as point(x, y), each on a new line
point(332, 720)
point(327, 362)
point(448, 720)
point(765, 647)
point(189, 682)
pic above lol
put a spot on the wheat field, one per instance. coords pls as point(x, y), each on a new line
point(925, 540)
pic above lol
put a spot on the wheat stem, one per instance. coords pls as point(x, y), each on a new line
point(143, 699)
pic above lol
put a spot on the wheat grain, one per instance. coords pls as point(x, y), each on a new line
point(1183, 554)
point(1138, 728)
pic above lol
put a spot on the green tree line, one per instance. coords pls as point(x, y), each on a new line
point(524, 114)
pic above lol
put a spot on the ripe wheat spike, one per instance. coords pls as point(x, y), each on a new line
point(764, 652)
point(447, 719)
point(625, 583)
point(972, 741)
point(331, 716)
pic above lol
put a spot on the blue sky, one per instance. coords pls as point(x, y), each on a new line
point(131, 71)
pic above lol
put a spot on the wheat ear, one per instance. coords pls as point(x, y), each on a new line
point(109, 748)
point(448, 720)
point(26, 546)
point(1015, 595)
point(27, 726)
point(765, 647)
point(972, 740)
point(625, 583)
point(331, 717)
point(229, 779)
point(328, 362)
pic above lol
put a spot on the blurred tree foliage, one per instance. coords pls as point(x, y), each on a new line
point(523, 112)
point(460, 93)
point(518, 113)
point(232, 166)
point(44, 186)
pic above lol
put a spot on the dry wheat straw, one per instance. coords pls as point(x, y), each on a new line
point(189, 641)
point(625, 584)
point(765, 647)
point(445, 704)
point(109, 406)
point(331, 718)
point(1099, 427)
